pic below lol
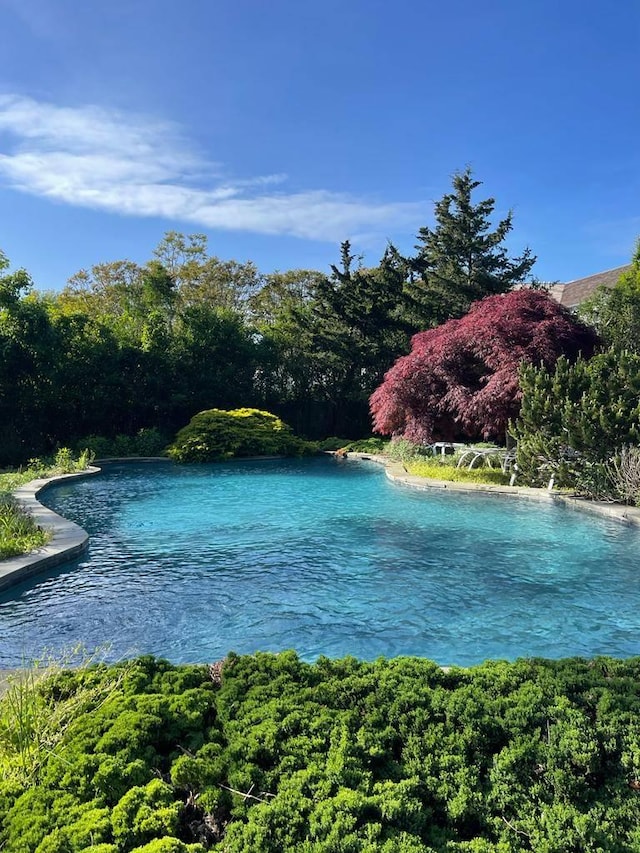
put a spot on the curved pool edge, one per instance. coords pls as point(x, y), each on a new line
point(396, 472)
point(68, 539)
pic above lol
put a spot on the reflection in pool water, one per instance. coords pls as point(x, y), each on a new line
point(324, 557)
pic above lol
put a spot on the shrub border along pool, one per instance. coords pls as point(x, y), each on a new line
point(68, 539)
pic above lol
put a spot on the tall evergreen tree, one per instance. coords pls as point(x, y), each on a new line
point(356, 323)
point(462, 259)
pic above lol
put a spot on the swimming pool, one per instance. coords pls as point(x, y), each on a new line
point(326, 557)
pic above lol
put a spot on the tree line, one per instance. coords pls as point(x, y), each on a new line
point(444, 343)
point(126, 346)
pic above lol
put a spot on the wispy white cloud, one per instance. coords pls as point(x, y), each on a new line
point(137, 166)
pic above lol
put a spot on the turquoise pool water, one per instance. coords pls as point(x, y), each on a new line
point(326, 557)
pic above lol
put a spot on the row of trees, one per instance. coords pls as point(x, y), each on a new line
point(112, 365)
point(126, 346)
point(436, 341)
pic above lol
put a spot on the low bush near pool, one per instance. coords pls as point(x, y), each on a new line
point(216, 434)
point(267, 754)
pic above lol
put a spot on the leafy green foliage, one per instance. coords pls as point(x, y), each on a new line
point(63, 462)
point(276, 755)
point(574, 418)
point(329, 339)
point(365, 445)
point(332, 443)
point(615, 312)
point(355, 321)
point(580, 423)
point(146, 442)
point(122, 348)
point(403, 450)
point(215, 434)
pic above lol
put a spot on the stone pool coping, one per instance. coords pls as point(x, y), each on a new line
point(68, 539)
point(396, 472)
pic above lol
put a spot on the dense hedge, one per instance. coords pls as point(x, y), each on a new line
point(575, 418)
point(146, 442)
point(216, 434)
point(396, 756)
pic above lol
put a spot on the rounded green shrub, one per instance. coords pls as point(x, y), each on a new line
point(216, 434)
point(169, 844)
point(144, 814)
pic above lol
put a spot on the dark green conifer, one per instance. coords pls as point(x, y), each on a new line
point(462, 259)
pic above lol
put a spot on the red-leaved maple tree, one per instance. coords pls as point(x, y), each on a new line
point(461, 378)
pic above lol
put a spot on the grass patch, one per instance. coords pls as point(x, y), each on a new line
point(19, 534)
point(34, 717)
point(441, 471)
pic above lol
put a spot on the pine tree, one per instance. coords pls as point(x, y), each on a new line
point(461, 259)
point(575, 417)
point(355, 325)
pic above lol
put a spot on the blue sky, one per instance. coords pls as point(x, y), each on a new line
point(281, 127)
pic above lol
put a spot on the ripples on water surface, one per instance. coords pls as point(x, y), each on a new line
point(327, 557)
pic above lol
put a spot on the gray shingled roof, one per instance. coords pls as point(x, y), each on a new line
point(573, 293)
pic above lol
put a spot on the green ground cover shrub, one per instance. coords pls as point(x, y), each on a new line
point(216, 434)
point(19, 534)
point(269, 755)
